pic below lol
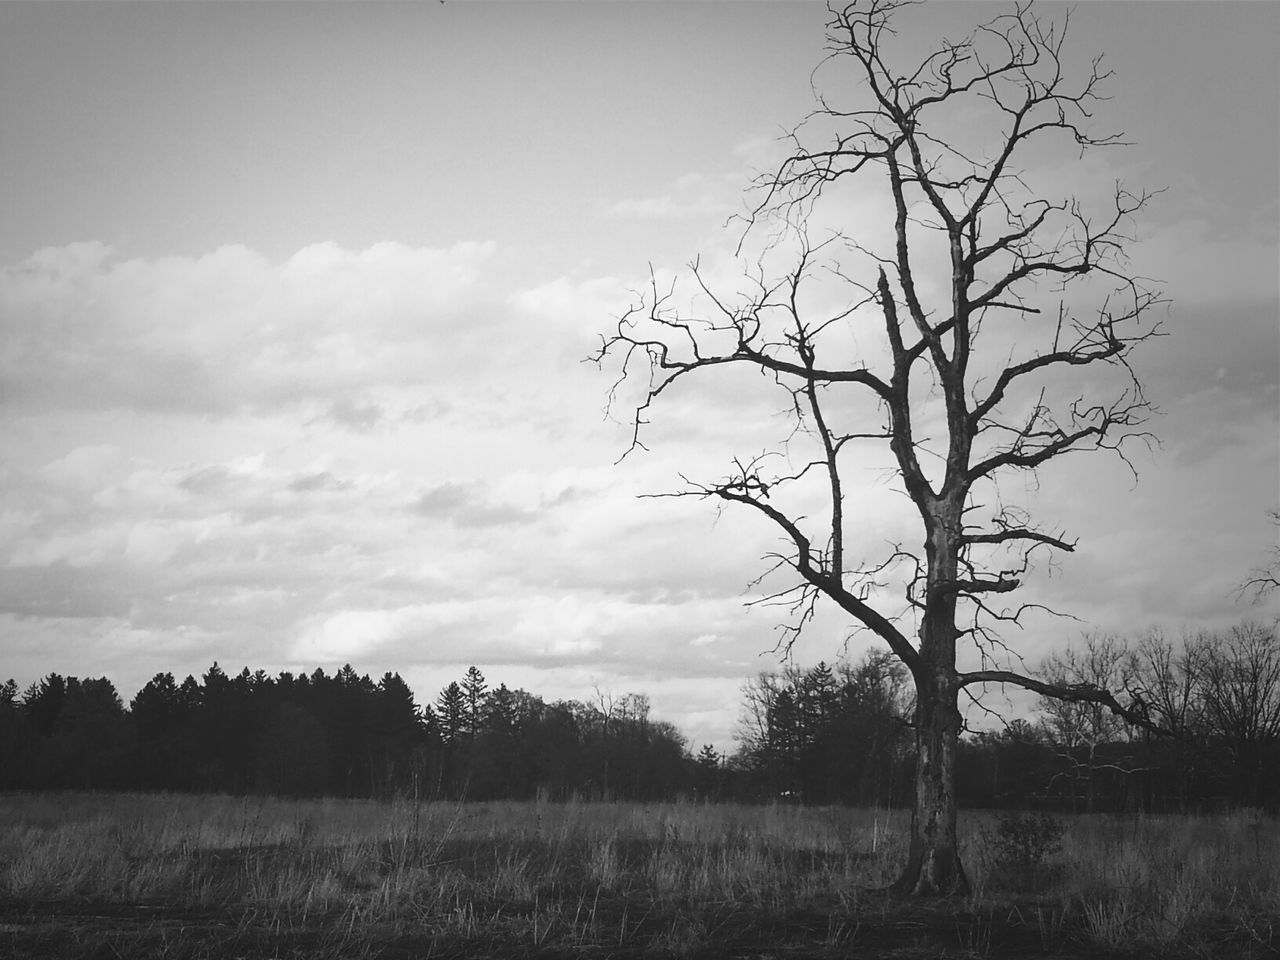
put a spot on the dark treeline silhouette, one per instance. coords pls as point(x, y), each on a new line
point(338, 735)
point(828, 735)
point(821, 735)
point(842, 735)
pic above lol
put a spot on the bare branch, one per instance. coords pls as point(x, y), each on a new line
point(1138, 712)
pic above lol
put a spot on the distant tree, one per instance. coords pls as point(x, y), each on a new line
point(347, 715)
point(1242, 708)
point(785, 740)
point(192, 695)
point(557, 743)
point(218, 734)
point(501, 715)
point(709, 772)
point(827, 734)
point(451, 712)
point(162, 716)
point(90, 742)
point(1083, 730)
point(397, 734)
point(18, 744)
point(872, 724)
point(1009, 768)
point(757, 722)
point(474, 691)
point(1265, 579)
point(43, 703)
point(1172, 678)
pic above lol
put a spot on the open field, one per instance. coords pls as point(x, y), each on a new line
point(187, 877)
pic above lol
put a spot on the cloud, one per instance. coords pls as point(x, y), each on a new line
point(466, 507)
point(693, 195)
point(668, 207)
point(353, 635)
point(1200, 263)
point(232, 330)
point(324, 481)
point(61, 590)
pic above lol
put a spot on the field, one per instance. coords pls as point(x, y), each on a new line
point(172, 876)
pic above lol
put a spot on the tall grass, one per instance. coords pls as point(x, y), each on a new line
point(671, 878)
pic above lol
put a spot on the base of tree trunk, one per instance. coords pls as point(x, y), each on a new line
point(931, 872)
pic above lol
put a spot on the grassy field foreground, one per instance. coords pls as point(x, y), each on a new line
point(180, 876)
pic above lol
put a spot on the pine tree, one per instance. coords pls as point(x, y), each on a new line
point(473, 689)
point(451, 712)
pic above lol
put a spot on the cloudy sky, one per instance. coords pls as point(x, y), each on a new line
point(294, 300)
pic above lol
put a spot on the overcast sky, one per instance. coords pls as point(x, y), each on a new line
point(294, 299)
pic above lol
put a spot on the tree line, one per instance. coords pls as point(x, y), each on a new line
point(1212, 740)
point(337, 735)
point(827, 734)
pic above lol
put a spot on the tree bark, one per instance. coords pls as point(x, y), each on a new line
point(933, 860)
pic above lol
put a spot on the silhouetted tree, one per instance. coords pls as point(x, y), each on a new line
point(43, 702)
point(998, 310)
point(828, 735)
point(162, 714)
point(451, 712)
point(18, 742)
point(89, 740)
point(709, 773)
point(473, 691)
point(1264, 580)
point(396, 734)
point(1242, 708)
point(1085, 732)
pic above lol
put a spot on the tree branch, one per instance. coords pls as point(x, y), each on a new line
point(1138, 713)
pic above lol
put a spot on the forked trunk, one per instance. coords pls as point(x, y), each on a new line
point(933, 862)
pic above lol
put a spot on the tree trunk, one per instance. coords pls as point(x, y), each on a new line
point(933, 861)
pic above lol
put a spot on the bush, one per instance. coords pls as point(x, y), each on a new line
point(1016, 852)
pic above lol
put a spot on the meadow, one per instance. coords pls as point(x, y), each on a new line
point(179, 876)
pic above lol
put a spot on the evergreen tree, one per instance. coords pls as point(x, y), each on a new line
point(473, 689)
point(451, 712)
point(161, 713)
point(18, 742)
point(43, 703)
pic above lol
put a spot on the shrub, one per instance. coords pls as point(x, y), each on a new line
point(1016, 852)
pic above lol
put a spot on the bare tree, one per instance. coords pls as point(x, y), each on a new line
point(1172, 679)
point(1083, 730)
point(1265, 579)
point(987, 299)
point(1242, 701)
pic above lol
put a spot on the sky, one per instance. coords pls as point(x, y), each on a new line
point(295, 299)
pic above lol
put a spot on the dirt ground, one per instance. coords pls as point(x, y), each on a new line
point(97, 931)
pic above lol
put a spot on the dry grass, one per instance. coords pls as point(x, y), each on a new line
point(179, 876)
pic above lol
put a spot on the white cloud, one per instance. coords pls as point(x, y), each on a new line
point(84, 466)
point(691, 195)
point(356, 635)
point(232, 330)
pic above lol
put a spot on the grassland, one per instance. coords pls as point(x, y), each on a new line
point(191, 877)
